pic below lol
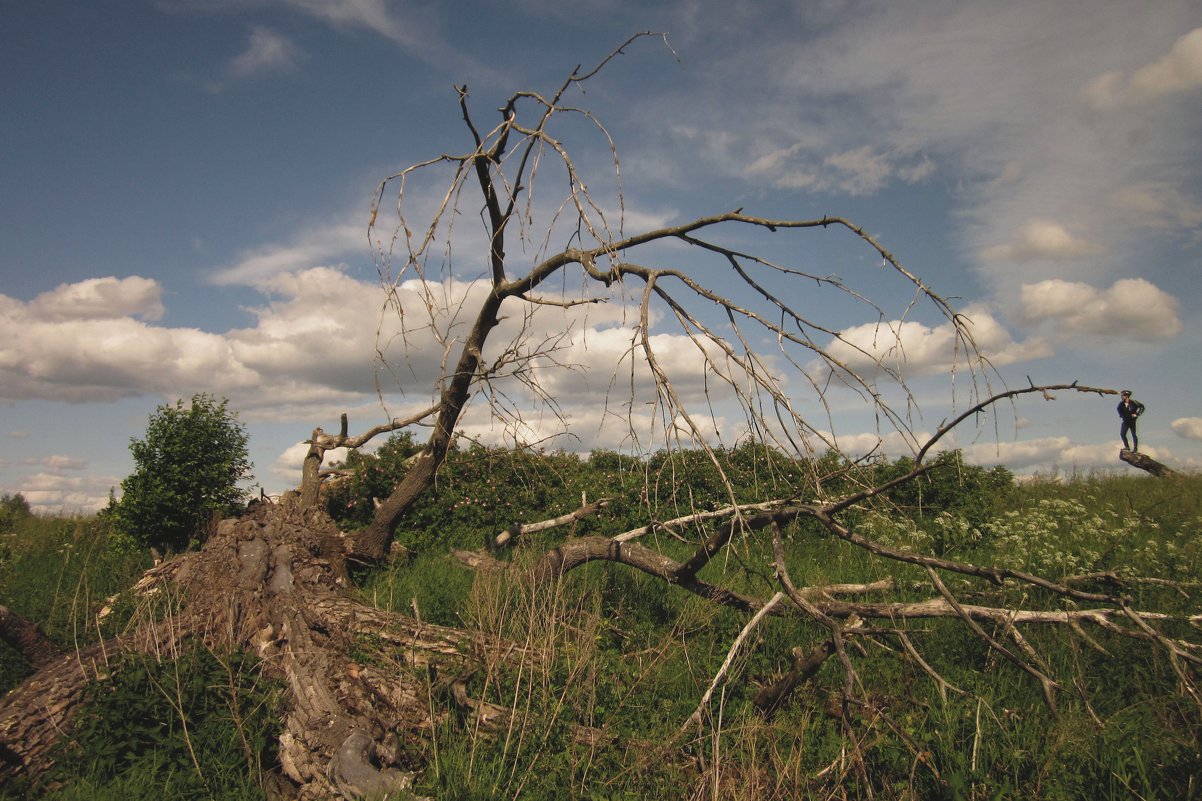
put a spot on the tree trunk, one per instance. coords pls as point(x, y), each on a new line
point(28, 638)
point(273, 583)
point(372, 543)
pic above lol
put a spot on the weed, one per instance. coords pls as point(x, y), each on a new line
point(202, 726)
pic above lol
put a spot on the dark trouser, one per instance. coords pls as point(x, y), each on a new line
point(1129, 425)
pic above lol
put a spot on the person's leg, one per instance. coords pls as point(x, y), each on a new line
point(1134, 437)
point(1123, 433)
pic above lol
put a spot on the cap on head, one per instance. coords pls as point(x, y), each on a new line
point(1126, 393)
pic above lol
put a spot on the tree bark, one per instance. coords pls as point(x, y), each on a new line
point(772, 696)
point(272, 583)
point(372, 543)
point(27, 638)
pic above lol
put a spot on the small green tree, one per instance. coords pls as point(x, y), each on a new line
point(186, 470)
point(13, 509)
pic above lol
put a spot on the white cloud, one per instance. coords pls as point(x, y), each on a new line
point(1046, 452)
point(267, 51)
point(912, 348)
point(1187, 427)
point(859, 171)
point(309, 352)
point(51, 493)
point(891, 444)
point(991, 93)
point(319, 331)
point(320, 245)
point(1041, 239)
point(1158, 205)
point(44, 353)
point(374, 15)
point(413, 26)
point(58, 462)
point(1179, 70)
point(107, 298)
point(287, 467)
point(1132, 308)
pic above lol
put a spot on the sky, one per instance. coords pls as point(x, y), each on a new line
point(186, 188)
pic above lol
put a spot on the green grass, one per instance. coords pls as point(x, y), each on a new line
point(1129, 734)
point(630, 655)
point(204, 726)
point(61, 572)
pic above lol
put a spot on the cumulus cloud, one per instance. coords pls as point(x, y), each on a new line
point(311, 347)
point(1132, 308)
point(82, 342)
point(52, 493)
point(912, 348)
point(74, 344)
point(1041, 239)
point(319, 330)
point(1187, 427)
point(891, 444)
point(287, 466)
point(1045, 452)
point(106, 298)
point(1179, 70)
point(1056, 452)
point(1052, 453)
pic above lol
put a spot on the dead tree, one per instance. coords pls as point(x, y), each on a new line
point(274, 582)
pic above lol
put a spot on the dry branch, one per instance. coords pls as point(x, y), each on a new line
point(518, 529)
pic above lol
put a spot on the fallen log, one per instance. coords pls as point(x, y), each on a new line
point(1145, 462)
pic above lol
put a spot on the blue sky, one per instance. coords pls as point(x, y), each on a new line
point(185, 187)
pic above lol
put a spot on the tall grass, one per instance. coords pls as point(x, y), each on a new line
point(609, 663)
point(61, 573)
point(613, 651)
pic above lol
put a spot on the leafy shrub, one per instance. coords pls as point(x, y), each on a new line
point(13, 509)
point(186, 471)
point(951, 486)
point(199, 727)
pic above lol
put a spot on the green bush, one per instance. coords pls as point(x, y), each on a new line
point(186, 471)
point(13, 509)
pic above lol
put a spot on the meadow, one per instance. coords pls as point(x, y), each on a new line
point(612, 662)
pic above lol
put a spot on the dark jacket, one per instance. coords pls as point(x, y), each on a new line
point(1130, 409)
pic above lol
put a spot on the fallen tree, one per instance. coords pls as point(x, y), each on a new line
point(275, 581)
point(1145, 462)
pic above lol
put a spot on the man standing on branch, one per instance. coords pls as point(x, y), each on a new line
point(1129, 410)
